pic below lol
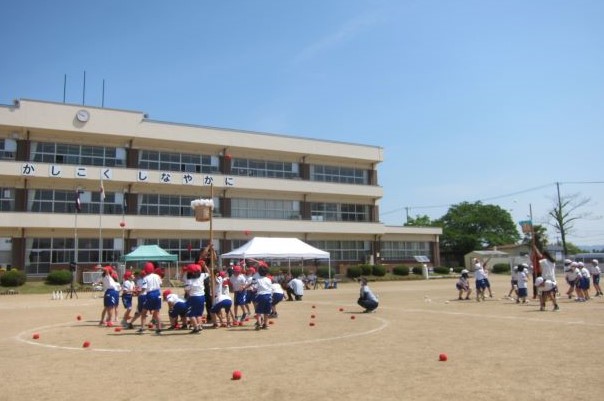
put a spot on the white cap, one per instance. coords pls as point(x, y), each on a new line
point(538, 281)
point(595, 261)
point(567, 261)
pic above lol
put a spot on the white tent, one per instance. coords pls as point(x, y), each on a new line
point(277, 248)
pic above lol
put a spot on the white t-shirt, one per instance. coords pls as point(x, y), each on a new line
point(366, 293)
point(238, 281)
point(522, 279)
point(195, 285)
point(152, 282)
point(127, 286)
point(174, 299)
point(277, 289)
point(478, 272)
point(297, 286)
point(264, 286)
point(585, 272)
point(548, 270)
point(109, 283)
point(594, 270)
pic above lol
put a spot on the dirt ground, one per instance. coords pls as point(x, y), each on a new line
point(496, 350)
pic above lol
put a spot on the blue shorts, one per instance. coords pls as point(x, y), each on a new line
point(178, 310)
point(153, 301)
point(240, 298)
point(584, 283)
point(141, 303)
point(522, 292)
point(480, 284)
point(249, 297)
point(514, 282)
point(277, 297)
point(127, 301)
point(195, 305)
point(224, 304)
point(263, 303)
point(596, 279)
point(111, 298)
point(486, 283)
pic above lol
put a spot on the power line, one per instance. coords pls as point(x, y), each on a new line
point(480, 200)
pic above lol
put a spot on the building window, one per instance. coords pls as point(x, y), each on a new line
point(187, 249)
point(265, 209)
point(170, 205)
point(404, 250)
point(338, 212)
point(42, 253)
point(344, 251)
point(338, 174)
point(182, 162)
point(58, 201)
point(264, 168)
point(8, 149)
point(7, 200)
point(80, 155)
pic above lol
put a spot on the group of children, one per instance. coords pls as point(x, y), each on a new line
point(578, 276)
point(252, 287)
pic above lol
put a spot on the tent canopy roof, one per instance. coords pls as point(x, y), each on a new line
point(150, 253)
point(276, 248)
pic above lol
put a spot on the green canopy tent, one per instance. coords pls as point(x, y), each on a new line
point(151, 253)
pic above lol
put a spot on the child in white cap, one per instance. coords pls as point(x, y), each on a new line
point(463, 285)
point(595, 276)
point(546, 290)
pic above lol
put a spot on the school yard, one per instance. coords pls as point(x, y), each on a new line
point(496, 350)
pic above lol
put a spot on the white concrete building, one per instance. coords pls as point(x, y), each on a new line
point(323, 192)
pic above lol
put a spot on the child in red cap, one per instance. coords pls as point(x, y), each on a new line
point(152, 284)
point(127, 291)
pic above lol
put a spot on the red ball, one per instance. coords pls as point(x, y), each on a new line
point(117, 329)
point(122, 224)
point(270, 322)
point(442, 357)
point(353, 317)
point(86, 344)
point(36, 336)
point(109, 324)
point(79, 317)
point(313, 306)
point(341, 309)
point(237, 374)
point(311, 323)
point(312, 316)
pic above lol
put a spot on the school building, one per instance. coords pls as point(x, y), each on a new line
point(134, 179)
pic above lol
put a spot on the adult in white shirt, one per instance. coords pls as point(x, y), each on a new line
point(295, 289)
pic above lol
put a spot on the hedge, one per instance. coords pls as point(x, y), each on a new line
point(13, 278)
point(400, 270)
point(59, 277)
point(501, 268)
point(354, 272)
point(379, 270)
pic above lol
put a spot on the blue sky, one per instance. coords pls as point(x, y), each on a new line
point(470, 99)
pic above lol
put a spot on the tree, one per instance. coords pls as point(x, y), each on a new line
point(540, 237)
point(565, 213)
point(419, 221)
point(473, 226)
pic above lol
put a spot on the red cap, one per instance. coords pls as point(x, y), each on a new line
point(159, 272)
point(166, 293)
point(127, 275)
point(251, 270)
point(149, 268)
point(237, 269)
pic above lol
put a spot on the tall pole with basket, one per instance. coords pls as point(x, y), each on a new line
point(203, 211)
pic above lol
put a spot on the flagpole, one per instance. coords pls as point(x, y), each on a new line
point(101, 206)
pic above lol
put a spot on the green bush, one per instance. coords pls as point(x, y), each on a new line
point(297, 271)
point(501, 268)
point(323, 272)
point(458, 269)
point(400, 270)
point(354, 272)
point(366, 269)
point(378, 270)
point(417, 270)
point(59, 277)
point(441, 270)
point(13, 278)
